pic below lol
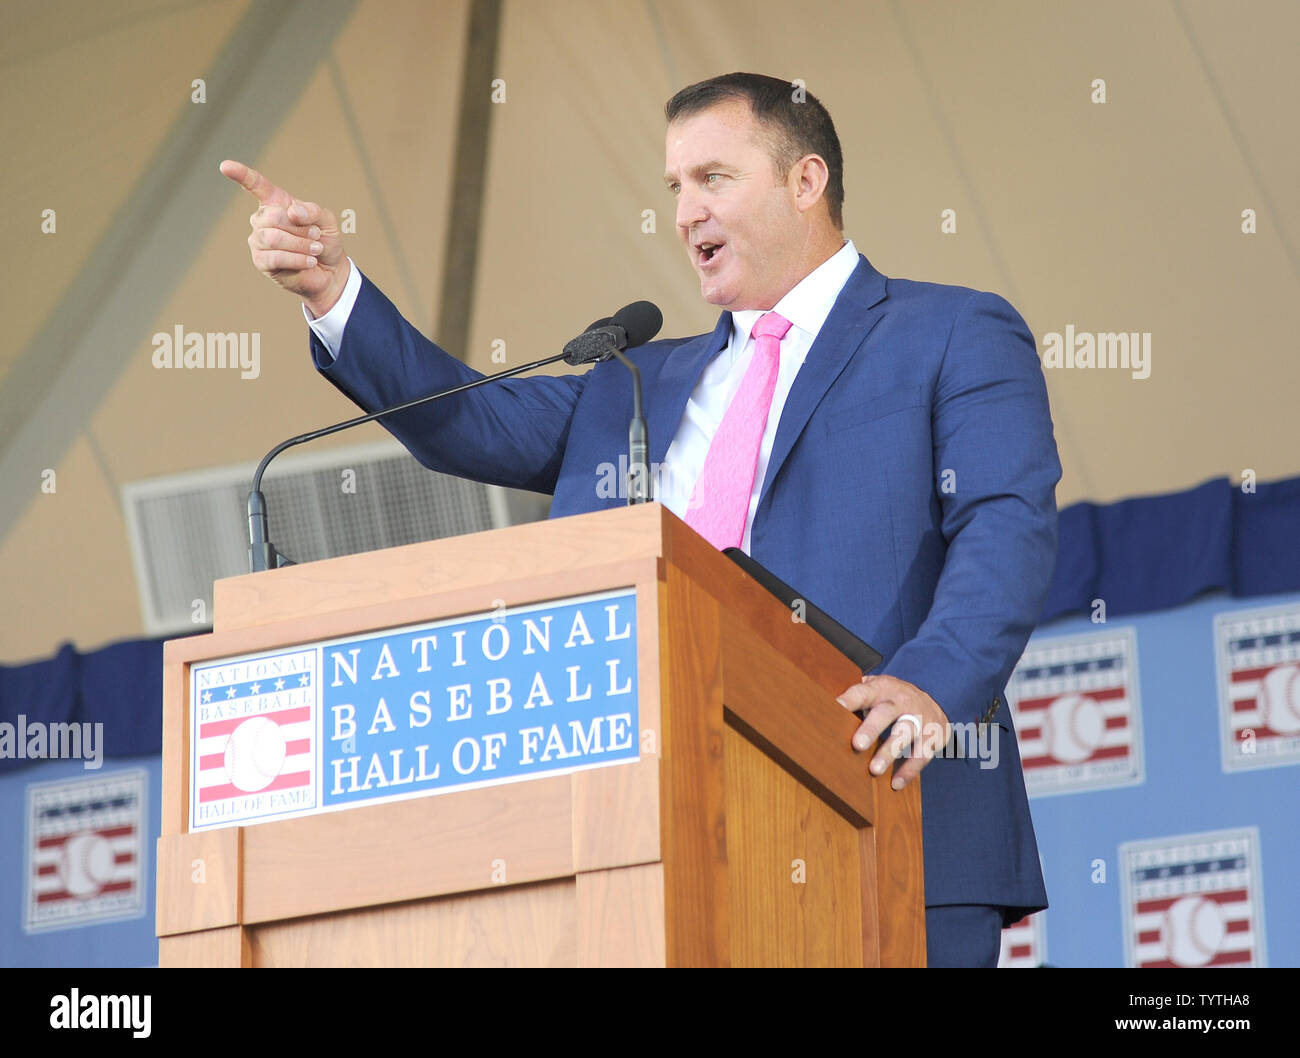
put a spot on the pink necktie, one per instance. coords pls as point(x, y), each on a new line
point(719, 504)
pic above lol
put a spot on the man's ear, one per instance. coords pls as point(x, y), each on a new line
point(808, 179)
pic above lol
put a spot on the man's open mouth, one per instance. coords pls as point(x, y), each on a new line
point(707, 252)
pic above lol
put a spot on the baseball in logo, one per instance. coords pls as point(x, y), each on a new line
point(84, 850)
point(1259, 687)
point(1076, 708)
point(1193, 901)
point(254, 726)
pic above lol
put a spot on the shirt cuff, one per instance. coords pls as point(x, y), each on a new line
point(329, 328)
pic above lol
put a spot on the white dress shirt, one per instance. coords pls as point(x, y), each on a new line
point(329, 328)
point(806, 307)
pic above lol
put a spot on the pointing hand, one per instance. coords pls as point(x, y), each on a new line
point(295, 244)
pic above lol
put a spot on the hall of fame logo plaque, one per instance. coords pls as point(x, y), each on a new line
point(1194, 900)
point(1077, 712)
point(1258, 654)
point(85, 850)
point(254, 729)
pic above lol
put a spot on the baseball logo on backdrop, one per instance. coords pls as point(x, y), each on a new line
point(1258, 655)
point(1194, 900)
point(253, 736)
point(1076, 707)
point(85, 850)
point(1024, 943)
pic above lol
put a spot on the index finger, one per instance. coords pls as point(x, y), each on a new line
point(255, 184)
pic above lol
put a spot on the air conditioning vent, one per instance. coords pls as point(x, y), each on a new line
point(188, 530)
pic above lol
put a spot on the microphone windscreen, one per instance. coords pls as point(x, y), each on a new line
point(592, 346)
point(641, 320)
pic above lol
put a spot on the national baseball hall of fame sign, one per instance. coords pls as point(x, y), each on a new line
point(500, 697)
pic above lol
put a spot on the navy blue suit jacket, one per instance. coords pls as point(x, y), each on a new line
point(910, 494)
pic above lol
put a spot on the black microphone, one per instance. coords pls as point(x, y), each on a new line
point(630, 326)
point(594, 344)
point(639, 322)
point(262, 554)
point(586, 349)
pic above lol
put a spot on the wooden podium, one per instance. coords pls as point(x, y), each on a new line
point(748, 832)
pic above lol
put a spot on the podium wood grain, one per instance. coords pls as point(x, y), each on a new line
point(527, 925)
point(228, 947)
point(620, 917)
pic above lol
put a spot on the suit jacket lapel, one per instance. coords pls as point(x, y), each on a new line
point(857, 310)
point(678, 378)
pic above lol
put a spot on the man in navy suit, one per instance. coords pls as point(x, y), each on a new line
point(903, 477)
